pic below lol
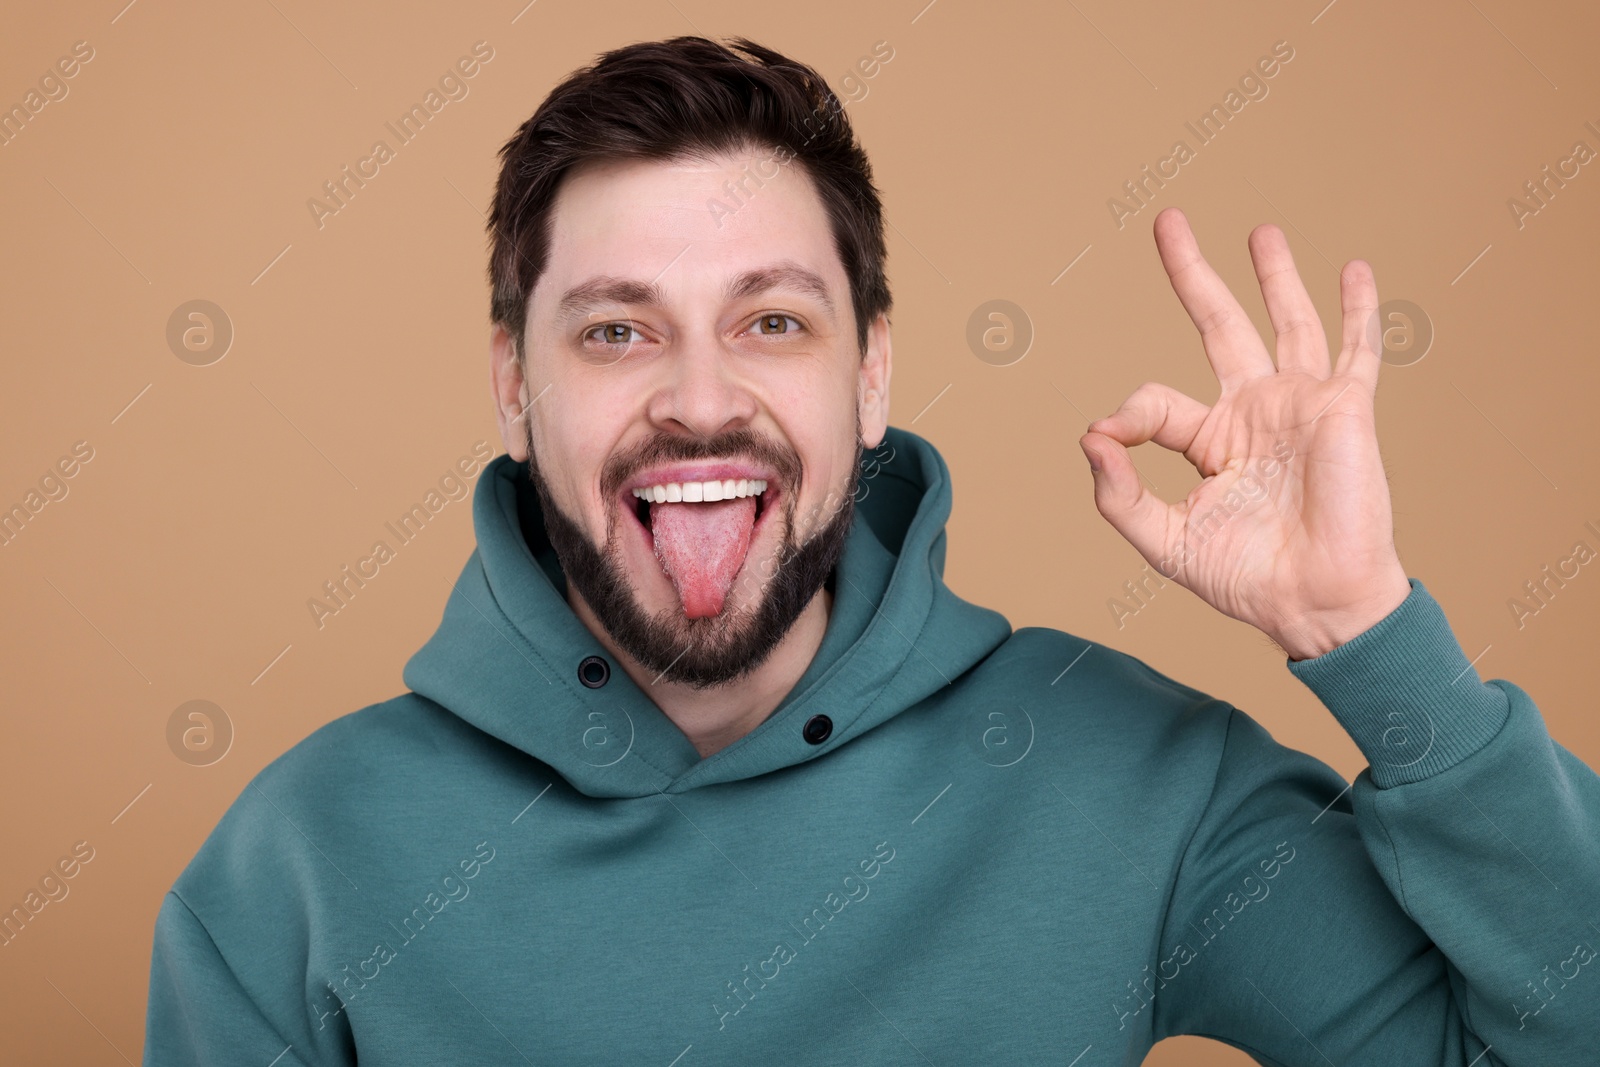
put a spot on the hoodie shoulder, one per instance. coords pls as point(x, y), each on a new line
point(350, 754)
point(1116, 709)
point(1040, 647)
point(307, 820)
point(347, 752)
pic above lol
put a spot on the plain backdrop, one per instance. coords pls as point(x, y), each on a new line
point(176, 165)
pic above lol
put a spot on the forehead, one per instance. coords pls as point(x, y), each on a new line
point(686, 224)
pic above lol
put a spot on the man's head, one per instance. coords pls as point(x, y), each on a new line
point(688, 289)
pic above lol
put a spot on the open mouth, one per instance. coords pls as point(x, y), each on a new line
point(700, 528)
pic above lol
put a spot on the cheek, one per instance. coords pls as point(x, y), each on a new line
point(824, 490)
point(819, 423)
point(571, 453)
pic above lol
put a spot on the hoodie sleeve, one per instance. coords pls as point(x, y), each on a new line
point(198, 1013)
point(1440, 910)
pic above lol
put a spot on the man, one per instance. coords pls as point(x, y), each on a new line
point(705, 764)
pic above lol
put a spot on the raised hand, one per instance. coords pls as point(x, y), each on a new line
point(1291, 529)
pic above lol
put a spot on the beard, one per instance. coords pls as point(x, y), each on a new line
point(718, 649)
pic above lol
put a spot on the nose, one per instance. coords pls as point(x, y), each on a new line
point(701, 391)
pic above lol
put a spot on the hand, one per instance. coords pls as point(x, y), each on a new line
point(1291, 530)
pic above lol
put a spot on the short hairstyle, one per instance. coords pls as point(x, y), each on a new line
point(685, 97)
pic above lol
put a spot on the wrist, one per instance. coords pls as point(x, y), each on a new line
point(1317, 633)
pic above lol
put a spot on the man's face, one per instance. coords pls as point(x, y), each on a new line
point(689, 333)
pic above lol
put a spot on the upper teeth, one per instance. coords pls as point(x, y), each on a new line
point(694, 492)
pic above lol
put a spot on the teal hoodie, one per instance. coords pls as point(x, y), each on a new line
point(1010, 847)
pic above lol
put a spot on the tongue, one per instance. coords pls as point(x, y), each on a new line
point(701, 547)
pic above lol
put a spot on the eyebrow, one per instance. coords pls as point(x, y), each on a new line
point(605, 290)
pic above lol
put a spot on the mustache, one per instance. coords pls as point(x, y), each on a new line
point(742, 443)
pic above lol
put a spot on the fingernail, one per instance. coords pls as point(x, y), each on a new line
point(1094, 458)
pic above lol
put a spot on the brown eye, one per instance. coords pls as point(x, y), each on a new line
point(777, 324)
point(612, 333)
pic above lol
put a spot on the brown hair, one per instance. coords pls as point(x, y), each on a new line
point(674, 99)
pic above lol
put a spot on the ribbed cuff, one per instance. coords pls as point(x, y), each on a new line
point(1406, 692)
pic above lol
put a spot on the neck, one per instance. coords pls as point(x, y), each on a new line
point(715, 718)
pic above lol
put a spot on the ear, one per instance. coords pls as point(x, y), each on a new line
point(510, 397)
point(872, 391)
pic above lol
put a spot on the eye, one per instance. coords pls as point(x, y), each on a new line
point(614, 334)
point(775, 323)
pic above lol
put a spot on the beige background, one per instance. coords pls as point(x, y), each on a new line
point(219, 498)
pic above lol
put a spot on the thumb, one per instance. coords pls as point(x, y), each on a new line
point(1122, 498)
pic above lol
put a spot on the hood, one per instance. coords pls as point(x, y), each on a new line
point(506, 655)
